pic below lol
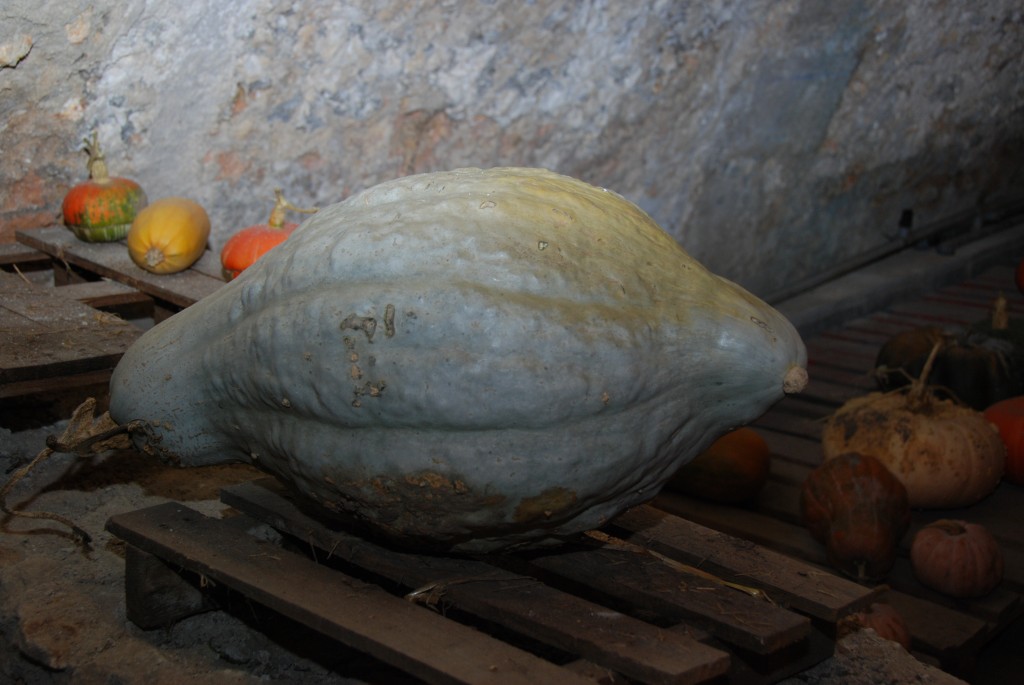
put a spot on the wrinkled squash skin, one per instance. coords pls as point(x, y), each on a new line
point(469, 361)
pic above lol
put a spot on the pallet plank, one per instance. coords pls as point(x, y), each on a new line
point(103, 294)
point(786, 580)
point(111, 260)
point(636, 580)
point(356, 613)
point(45, 336)
point(612, 639)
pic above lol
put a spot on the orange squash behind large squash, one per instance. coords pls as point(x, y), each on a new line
point(732, 471)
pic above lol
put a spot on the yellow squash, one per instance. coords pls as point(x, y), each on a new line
point(169, 235)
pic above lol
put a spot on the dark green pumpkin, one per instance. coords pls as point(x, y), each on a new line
point(977, 366)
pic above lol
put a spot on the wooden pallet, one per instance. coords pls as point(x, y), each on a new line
point(638, 603)
point(48, 342)
point(75, 261)
point(948, 632)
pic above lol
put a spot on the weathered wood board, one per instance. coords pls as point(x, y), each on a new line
point(75, 260)
point(48, 340)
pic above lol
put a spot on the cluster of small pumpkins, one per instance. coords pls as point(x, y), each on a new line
point(168, 235)
point(945, 427)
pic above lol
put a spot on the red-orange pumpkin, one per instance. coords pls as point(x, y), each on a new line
point(733, 470)
point(882, 618)
point(855, 507)
point(1008, 416)
point(957, 558)
point(246, 246)
point(101, 209)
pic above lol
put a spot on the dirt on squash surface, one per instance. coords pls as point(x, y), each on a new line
point(62, 606)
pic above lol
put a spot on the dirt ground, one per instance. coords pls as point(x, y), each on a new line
point(62, 607)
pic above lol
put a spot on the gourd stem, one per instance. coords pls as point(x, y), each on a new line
point(97, 164)
point(277, 214)
point(1000, 315)
point(918, 393)
point(154, 256)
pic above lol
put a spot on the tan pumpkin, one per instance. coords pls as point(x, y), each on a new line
point(945, 454)
point(957, 558)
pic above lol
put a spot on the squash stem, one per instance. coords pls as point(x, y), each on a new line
point(918, 394)
point(97, 164)
point(281, 205)
point(154, 256)
point(1000, 315)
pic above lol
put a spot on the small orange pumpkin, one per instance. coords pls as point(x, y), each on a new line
point(882, 618)
point(246, 246)
point(101, 209)
point(1008, 417)
point(733, 470)
point(957, 558)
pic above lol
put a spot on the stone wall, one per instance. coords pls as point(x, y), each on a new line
point(772, 138)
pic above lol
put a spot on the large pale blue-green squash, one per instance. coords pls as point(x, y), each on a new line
point(469, 360)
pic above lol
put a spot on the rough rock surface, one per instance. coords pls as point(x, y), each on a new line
point(772, 139)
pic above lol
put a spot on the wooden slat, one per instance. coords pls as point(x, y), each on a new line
point(103, 294)
point(111, 260)
point(745, 523)
point(21, 256)
point(950, 636)
point(786, 580)
point(645, 582)
point(599, 634)
point(843, 353)
point(44, 336)
point(353, 612)
point(799, 449)
point(38, 386)
point(782, 422)
point(826, 392)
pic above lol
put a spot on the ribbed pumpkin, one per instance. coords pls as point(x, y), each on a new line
point(854, 506)
point(945, 454)
point(101, 209)
point(169, 235)
point(733, 470)
point(467, 360)
point(957, 558)
point(246, 246)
